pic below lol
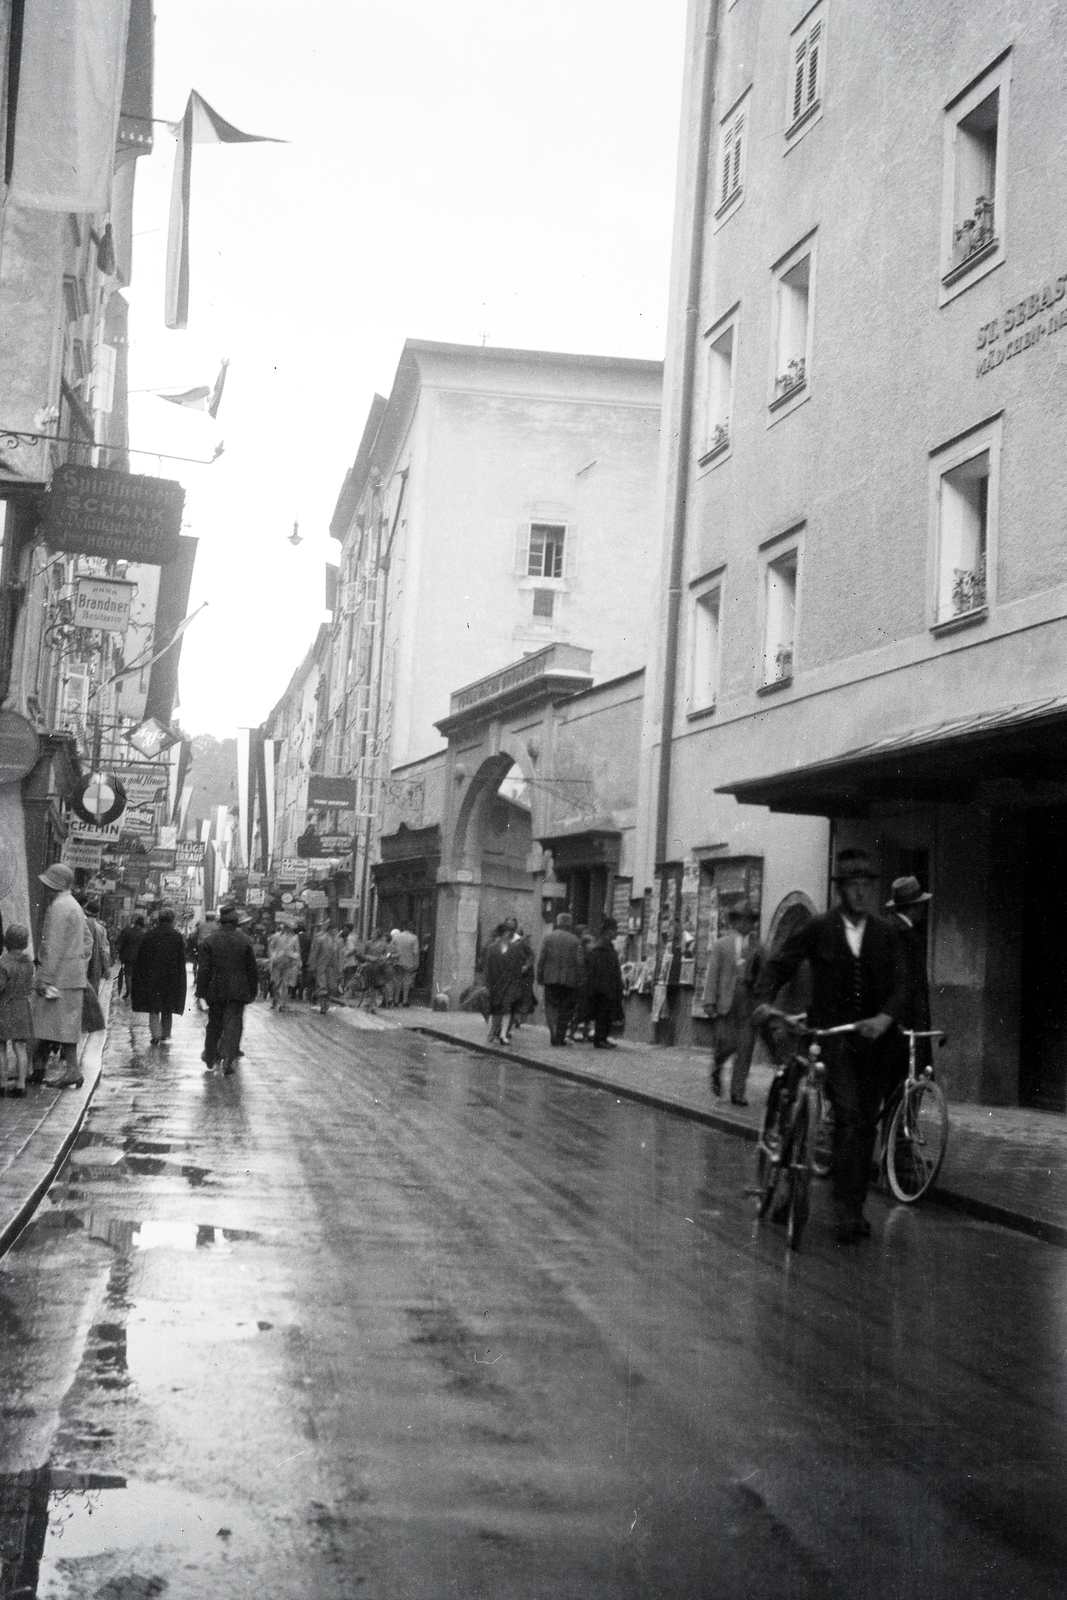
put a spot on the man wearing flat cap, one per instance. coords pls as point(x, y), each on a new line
point(907, 912)
point(858, 976)
point(65, 947)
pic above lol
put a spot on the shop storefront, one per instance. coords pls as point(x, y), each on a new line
point(405, 889)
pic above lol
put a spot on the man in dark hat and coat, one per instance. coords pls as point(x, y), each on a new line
point(907, 905)
point(858, 976)
point(228, 979)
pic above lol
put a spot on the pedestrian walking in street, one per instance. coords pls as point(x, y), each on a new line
point(129, 943)
point(100, 960)
point(735, 962)
point(66, 945)
point(504, 963)
point(526, 1004)
point(603, 976)
point(284, 955)
point(159, 976)
point(16, 1011)
point(408, 955)
point(326, 962)
point(305, 987)
point(560, 970)
point(582, 1013)
point(228, 980)
point(857, 976)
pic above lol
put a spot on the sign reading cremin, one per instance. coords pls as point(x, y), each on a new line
point(113, 514)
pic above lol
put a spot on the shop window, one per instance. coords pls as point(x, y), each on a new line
point(973, 206)
point(805, 83)
point(545, 555)
point(544, 603)
point(719, 370)
point(704, 663)
point(793, 298)
point(964, 516)
point(780, 617)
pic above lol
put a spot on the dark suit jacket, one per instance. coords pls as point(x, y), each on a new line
point(840, 993)
point(226, 973)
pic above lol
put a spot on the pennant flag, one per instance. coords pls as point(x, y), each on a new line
point(216, 393)
point(66, 105)
point(201, 398)
point(200, 125)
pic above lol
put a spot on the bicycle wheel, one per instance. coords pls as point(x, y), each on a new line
point(823, 1143)
point(918, 1136)
point(769, 1150)
point(799, 1174)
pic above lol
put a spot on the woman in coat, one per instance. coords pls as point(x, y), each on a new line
point(62, 964)
point(325, 961)
point(159, 976)
point(284, 953)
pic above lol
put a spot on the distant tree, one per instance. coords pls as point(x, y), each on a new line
point(213, 773)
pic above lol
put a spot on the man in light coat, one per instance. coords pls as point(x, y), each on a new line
point(560, 968)
point(63, 954)
point(734, 964)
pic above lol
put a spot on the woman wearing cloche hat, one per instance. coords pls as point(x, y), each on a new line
point(63, 960)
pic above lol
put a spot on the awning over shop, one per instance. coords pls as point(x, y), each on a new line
point(1014, 756)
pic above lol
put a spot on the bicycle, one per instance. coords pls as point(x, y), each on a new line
point(913, 1129)
point(914, 1126)
point(787, 1145)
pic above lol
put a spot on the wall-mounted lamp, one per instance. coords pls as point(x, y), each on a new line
point(295, 537)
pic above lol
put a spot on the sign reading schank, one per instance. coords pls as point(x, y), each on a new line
point(113, 514)
point(1023, 325)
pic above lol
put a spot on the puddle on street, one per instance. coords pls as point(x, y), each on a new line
point(68, 1532)
point(127, 1237)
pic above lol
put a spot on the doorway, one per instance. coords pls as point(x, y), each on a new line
point(1043, 1042)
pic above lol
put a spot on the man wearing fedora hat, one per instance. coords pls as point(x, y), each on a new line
point(858, 976)
point(66, 944)
point(907, 912)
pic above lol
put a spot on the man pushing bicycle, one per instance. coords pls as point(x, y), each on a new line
point(858, 977)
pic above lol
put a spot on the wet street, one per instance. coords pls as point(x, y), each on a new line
point(377, 1316)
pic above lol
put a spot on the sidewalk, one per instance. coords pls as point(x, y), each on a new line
point(1003, 1165)
point(36, 1133)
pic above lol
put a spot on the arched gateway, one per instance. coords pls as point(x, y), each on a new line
point(501, 784)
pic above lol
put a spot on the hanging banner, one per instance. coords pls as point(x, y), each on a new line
point(115, 514)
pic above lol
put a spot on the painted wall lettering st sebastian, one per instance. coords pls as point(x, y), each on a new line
point(1020, 321)
point(99, 513)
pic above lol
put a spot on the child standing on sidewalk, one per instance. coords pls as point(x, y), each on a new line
point(16, 1019)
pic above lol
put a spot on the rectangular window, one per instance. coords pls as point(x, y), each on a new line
point(545, 555)
point(544, 601)
point(805, 84)
point(704, 681)
point(720, 389)
point(973, 208)
point(780, 617)
point(793, 300)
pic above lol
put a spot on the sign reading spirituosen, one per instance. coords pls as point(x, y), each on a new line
point(114, 514)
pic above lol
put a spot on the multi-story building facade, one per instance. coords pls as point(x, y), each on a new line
point(864, 606)
point(500, 501)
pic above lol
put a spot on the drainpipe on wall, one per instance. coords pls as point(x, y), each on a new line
point(685, 431)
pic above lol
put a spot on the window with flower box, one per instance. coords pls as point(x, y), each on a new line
point(964, 485)
point(973, 204)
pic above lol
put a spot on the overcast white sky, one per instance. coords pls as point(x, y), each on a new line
point(455, 168)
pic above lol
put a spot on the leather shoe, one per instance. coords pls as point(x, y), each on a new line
point(738, 1100)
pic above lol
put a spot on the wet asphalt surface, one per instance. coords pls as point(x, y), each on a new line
point(381, 1317)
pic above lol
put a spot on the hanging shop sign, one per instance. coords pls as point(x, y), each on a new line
point(76, 853)
point(315, 899)
point(190, 853)
point(313, 846)
point(19, 746)
point(161, 857)
point(95, 833)
point(150, 737)
point(103, 603)
point(143, 781)
point(113, 514)
point(140, 820)
point(323, 791)
point(100, 798)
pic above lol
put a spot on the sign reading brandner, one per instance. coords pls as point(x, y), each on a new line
point(114, 514)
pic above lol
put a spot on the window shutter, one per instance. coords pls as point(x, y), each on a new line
point(798, 80)
point(737, 152)
point(570, 553)
point(522, 549)
point(813, 63)
point(725, 170)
